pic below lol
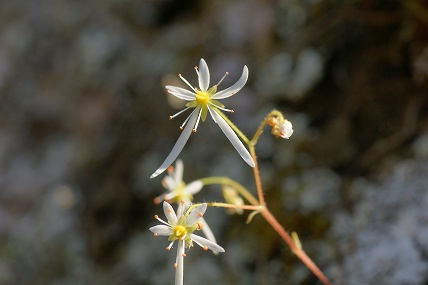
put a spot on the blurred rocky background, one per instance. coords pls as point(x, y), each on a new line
point(84, 122)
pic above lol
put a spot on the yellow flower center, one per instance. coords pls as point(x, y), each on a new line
point(202, 98)
point(180, 231)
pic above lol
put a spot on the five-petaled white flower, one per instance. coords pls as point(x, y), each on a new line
point(204, 100)
point(178, 191)
point(181, 227)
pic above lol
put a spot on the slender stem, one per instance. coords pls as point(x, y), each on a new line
point(296, 249)
point(232, 183)
point(259, 132)
point(257, 176)
point(235, 128)
point(231, 206)
point(268, 215)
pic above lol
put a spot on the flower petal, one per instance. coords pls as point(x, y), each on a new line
point(195, 215)
point(169, 183)
point(169, 213)
point(193, 188)
point(233, 138)
point(286, 129)
point(211, 113)
point(178, 172)
point(179, 275)
point(179, 145)
point(182, 207)
point(234, 88)
point(208, 232)
point(204, 242)
point(204, 75)
point(161, 230)
point(181, 93)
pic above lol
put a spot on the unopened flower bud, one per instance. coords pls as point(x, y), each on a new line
point(231, 196)
point(286, 129)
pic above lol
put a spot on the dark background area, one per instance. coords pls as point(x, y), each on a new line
point(84, 123)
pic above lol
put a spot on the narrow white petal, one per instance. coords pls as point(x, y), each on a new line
point(179, 273)
point(169, 196)
point(233, 138)
point(208, 232)
point(195, 215)
point(234, 88)
point(193, 188)
point(211, 110)
point(179, 145)
point(169, 213)
point(170, 183)
point(162, 230)
point(181, 93)
point(204, 75)
point(204, 242)
point(178, 172)
point(180, 210)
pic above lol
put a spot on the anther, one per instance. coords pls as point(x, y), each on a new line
point(184, 255)
point(156, 217)
point(227, 73)
point(205, 247)
point(194, 130)
point(157, 200)
point(175, 265)
point(168, 248)
point(170, 169)
point(200, 214)
point(200, 225)
point(155, 234)
point(182, 202)
point(181, 128)
point(169, 211)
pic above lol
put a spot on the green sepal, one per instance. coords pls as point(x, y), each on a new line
point(192, 104)
point(204, 114)
point(212, 90)
point(216, 103)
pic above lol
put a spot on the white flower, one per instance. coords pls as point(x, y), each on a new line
point(181, 227)
point(178, 191)
point(204, 101)
point(286, 129)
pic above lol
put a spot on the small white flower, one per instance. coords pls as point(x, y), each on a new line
point(204, 101)
point(177, 189)
point(181, 227)
point(286, 129)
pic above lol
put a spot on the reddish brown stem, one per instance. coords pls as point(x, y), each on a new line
point(297, 250)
